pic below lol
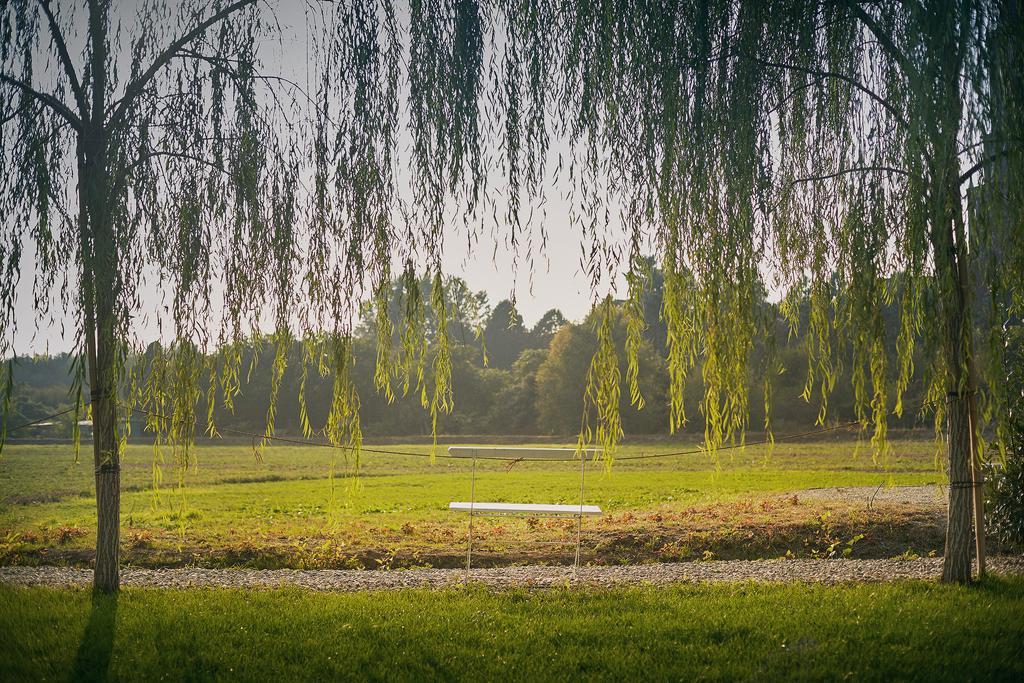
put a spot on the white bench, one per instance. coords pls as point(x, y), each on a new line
point(526, 509)
point(474, 508)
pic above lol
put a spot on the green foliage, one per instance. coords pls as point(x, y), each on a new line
point(548, 325)
point(504, 335)
point(1005, 494)
point(522, 399)
point(583, 355)
point(1005, 500)
point(603, 392)
point(816, 148)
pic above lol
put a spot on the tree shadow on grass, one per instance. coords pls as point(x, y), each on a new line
point(93, 659)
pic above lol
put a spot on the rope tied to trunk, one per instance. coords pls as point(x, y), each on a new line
point(966, 393)
point(98, 393)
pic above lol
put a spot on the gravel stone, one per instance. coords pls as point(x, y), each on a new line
point(770, 571)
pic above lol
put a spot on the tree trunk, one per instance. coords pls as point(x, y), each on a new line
point(960, 388)
point(965, 475)
point(977, 490)
point(100, 294)
point(951, 264)
point(106, 577)
point(99, 289)
point(106, 450)
point(956, 561)
point(96, 295)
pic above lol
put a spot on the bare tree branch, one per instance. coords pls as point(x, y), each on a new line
point(179, 155)
point(135, 88)
point(46, 99)
point(65, 58)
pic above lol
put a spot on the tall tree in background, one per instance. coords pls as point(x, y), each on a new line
point(504, 335)
point(547, 326)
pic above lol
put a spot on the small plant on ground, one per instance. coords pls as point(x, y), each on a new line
point(1006, 479)
point(908, 555)
point(829, 543)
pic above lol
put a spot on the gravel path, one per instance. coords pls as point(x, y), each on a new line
point(775, 571)
point(919, 496)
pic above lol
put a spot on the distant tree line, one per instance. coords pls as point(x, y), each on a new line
point(508, 378)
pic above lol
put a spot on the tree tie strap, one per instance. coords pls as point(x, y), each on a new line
point(97, 394)
point(961, 394)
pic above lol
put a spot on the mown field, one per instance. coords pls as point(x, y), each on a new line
point(283, 509)
point(899, 631)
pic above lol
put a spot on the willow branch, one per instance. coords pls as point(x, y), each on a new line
point(45, 98)
point(184, 156)
point(987, 141)
point(14, 114)
point(852, 82)
point(985, 161)
point(65, 58)
point(226, 65)
point(179, 155)
point(135, 88)
point(884, 39)
point(845, 171)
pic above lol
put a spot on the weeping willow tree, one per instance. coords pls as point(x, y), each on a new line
point(811, 147)
point(823, 149)
point(149, 155)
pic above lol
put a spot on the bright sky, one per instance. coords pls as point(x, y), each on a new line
point(554, 280)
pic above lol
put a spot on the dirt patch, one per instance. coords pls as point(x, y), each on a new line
point(778, 527)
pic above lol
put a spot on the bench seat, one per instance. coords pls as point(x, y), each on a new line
point(519, 453)
point(526, 509)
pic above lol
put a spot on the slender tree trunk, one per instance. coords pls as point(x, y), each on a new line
point(956, 561)
point(960, 390)
point(977, 477)
point(945, 41)
point(977, 480)
point(108, 504)
point(956, 565)
point(100, 284)
point(106, 443)
point(965, 474)
point(98, 294)
point(961, 416)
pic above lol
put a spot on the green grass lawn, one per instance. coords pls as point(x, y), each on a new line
point(284, 506)
point(899, 631)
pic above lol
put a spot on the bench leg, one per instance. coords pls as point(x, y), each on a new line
point(579, 517)
point(472, 501)
point(579, 529)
